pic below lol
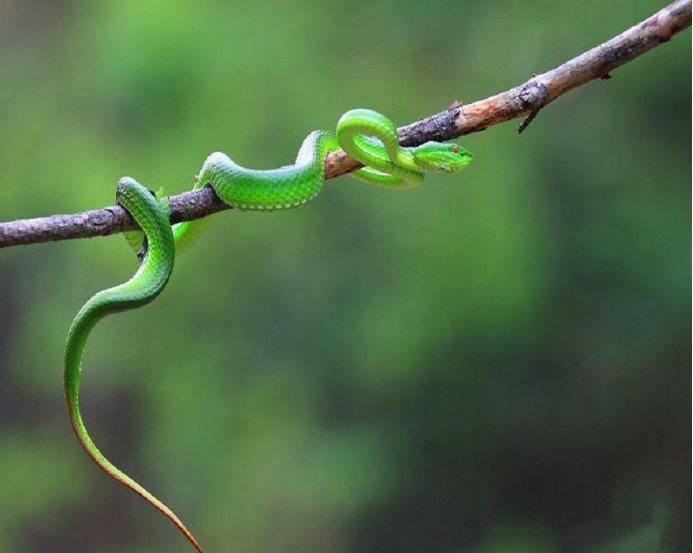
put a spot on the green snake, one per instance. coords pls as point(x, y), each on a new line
point(365, 135)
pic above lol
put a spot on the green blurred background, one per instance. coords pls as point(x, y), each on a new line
point(498, 361)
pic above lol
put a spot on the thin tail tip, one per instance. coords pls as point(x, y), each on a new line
point(195, 544)
point(189, 536)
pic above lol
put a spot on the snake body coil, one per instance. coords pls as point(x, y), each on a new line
point(365, 135)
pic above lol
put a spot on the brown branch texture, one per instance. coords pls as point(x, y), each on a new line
point(524, 100)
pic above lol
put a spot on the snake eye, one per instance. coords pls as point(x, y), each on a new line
point(456, 149)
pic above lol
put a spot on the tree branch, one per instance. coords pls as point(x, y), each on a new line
point(525, 100)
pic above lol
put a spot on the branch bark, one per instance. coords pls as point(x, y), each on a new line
point(525, 100)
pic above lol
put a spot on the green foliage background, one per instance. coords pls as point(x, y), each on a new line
point(498, 361)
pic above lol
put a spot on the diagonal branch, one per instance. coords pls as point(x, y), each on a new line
point(525, 100)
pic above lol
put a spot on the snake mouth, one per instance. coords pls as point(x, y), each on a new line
point(467, 158)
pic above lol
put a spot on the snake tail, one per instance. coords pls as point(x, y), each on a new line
point(146, 284)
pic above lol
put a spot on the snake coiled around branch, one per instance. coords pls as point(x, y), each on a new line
point(365, 135)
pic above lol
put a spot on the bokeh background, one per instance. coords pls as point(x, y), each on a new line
point(498, 361)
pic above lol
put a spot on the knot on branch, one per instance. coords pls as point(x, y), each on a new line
point(532, 97)
point(439, 127)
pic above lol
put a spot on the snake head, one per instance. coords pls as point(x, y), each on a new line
point(438, 156)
